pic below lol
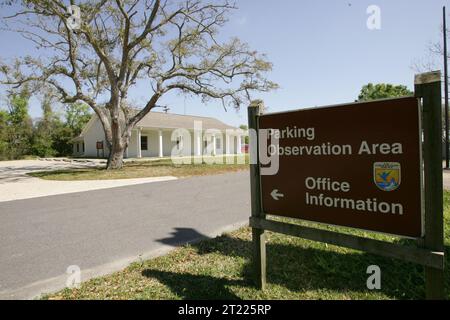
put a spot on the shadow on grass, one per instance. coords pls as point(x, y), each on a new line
point(43, 174)
point(297, 267)
point(196, 287)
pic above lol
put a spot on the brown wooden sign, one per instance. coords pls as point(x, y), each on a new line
point(99, 145)
point(355, 165)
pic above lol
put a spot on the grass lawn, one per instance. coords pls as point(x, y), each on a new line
point(143, 169)
point(297, 269)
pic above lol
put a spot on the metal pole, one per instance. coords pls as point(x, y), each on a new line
point(447, 156)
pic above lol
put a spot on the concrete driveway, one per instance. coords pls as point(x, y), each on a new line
point(15, 184)
point(16, 171)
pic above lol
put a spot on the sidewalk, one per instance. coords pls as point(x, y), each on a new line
point(15, 184)
point(35, 187)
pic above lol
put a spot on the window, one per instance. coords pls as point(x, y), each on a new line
point(78, 147)
point(144, 143)
point(82, 145)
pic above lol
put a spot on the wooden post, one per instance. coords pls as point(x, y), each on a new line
point(444, 28)
point(428, 87)
point(258, 235)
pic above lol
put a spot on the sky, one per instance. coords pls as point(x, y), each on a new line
point(322, 50)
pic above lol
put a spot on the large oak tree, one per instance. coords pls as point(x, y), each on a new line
point(163, 45)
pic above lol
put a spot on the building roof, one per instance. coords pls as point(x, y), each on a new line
point(164, 120)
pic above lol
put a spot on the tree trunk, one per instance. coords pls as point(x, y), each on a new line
point(115, 160)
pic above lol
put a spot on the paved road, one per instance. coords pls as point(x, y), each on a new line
point(104, 230)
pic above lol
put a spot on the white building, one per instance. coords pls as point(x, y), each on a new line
point(161, 134)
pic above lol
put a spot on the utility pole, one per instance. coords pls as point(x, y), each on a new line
point(447, 158)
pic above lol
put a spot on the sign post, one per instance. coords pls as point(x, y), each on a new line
point(258, 234)
point(428, 87)
point(99, 146)
point(368, 166)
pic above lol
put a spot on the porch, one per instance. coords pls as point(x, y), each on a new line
point(159, 143)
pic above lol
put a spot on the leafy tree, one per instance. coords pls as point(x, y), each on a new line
point(61, 139)
point(383, 90)
point(18, 107)
point(20, 126)
point(42, 145)
point(165, 45)
point(77, 116)
point(50, 136)
point(4, 118)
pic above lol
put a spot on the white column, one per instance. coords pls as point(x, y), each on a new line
point(214, 144)
point(139, 152)
point(239, 144)
point(198, 145)
point(227, 144)
point(160, 153)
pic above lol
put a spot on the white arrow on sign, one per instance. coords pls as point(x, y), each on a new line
point(275, 195)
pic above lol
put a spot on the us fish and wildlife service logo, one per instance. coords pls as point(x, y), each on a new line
point(387, 175)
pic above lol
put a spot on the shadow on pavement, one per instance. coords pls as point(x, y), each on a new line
point(182, 236)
